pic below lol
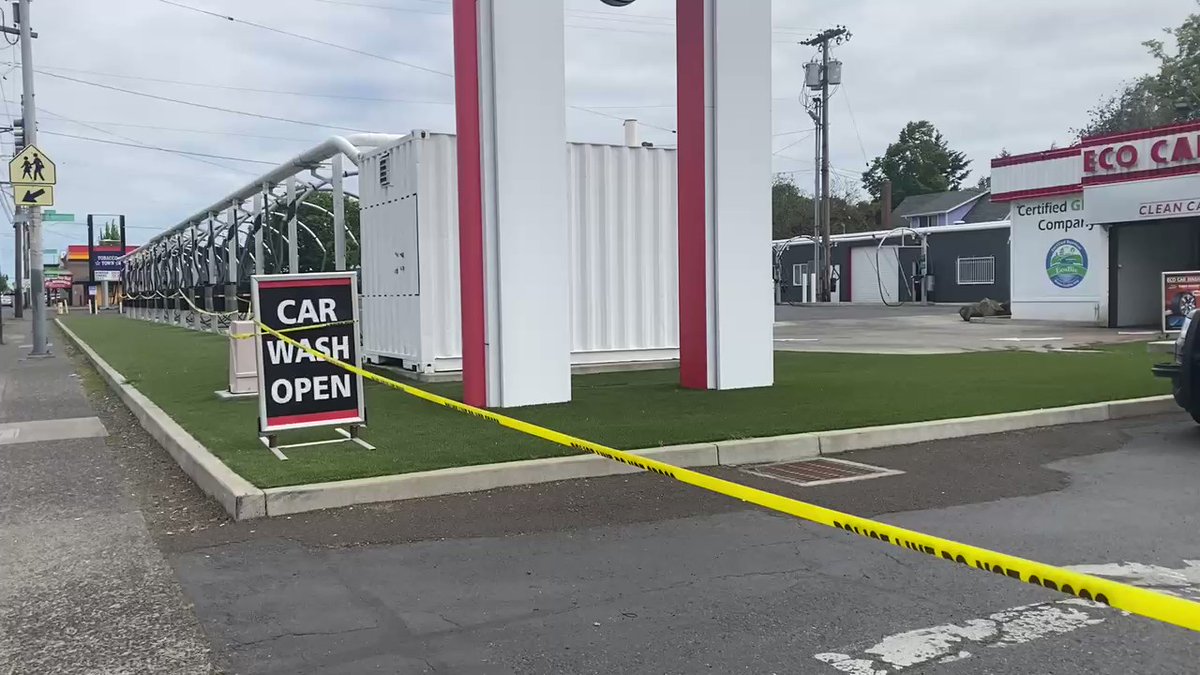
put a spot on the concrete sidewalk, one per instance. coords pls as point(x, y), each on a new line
point(83, 588)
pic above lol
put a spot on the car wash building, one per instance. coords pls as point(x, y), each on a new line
point(1095, 226)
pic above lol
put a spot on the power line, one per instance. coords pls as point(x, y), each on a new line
point(311, 94)
point(308, 38)
point(191, 131)
point(151, 147)
point(134, 140)
point(854, 123)
point(203, 105)
point(618, 117)
point(798, 140)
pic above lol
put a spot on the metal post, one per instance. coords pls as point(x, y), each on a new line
point(339, 215)
point(37, 288)
point(210, 284)
point(18, 282)
point(261, 212)
point(123, 282)
point(231, 264)
point(293, 243)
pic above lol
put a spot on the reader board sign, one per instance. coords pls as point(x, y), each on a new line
point(106, 263)
point(296, 389)
point(1180, 292)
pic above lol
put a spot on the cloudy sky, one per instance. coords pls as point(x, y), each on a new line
point(990, 75)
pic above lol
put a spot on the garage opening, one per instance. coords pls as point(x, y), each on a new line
point(1138, 255)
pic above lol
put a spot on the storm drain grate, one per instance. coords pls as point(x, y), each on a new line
point(822, 471)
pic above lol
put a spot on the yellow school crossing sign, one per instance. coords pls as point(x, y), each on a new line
point(33, 176)
point(33, 195)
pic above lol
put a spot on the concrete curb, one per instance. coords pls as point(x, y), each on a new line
point(316, 496)
point(804, 446)
point(242, 500)
point(239, 497)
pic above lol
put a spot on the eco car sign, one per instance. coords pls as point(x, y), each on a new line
point(1066, 263)
point(1180, 291)
point(296, 389)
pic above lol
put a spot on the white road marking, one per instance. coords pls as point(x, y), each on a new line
point(1025, 339)
point(1011, 627)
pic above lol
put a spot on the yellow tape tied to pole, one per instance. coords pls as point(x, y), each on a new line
point(1151, 604)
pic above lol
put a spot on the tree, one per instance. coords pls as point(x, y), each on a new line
point(316, 213)
point(919, 162)
point(791, 210)
point(4, 283)
point(1169, 96)
point(111, 234)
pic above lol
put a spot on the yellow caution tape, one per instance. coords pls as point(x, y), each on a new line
point(1166, 608)
point(297, 329)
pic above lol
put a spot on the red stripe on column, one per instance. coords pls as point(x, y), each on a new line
point(692, 139)
point(470, 200)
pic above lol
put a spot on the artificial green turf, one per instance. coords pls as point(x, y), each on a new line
point(180, 370)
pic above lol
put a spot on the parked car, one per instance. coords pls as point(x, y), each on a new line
point(6, 300)
point(1184, 369)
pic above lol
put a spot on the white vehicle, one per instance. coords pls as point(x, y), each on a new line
point(6, 300)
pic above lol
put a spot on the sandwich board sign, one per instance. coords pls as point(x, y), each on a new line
point(296, 389)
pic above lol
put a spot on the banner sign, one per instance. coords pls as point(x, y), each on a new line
point(1179, 293)
point(106, 263)
point(297, 390)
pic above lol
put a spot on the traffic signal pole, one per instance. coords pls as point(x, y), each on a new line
point(37, 285)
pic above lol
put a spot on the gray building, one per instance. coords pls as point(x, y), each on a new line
point(967, 262)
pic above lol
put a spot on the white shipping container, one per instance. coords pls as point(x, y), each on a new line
point(622, 234)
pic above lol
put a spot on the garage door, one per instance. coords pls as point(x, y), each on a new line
point(874, 282)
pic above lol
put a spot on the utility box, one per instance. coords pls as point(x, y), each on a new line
point(623, 258)
point(243, 363)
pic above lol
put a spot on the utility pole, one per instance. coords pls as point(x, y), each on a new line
point(37, 288)
point(818, 243)
point(830, 72)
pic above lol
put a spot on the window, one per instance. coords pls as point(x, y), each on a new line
point(976, 271)
point(799, 274)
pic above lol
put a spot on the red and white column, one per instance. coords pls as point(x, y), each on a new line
point(726, 312)
point(510, 98)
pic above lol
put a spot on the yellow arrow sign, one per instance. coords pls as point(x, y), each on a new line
point(31, 166)
point(33, 195)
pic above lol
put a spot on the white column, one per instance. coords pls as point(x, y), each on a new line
point(724, 120)
point(522, 207)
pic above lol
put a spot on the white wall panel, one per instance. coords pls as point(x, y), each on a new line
point(1046, 173)
point(623, 259)
point(622, 269)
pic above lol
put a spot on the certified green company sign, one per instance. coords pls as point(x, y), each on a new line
point(1066, 263)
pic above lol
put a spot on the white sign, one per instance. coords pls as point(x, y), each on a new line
point(1059, 261)
point(1162, 198)
point(107, 275)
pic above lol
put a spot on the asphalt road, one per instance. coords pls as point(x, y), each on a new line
point(636, 574)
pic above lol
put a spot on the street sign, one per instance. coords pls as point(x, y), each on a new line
point(33, 195)
point(54, 216)
point(31, 166)
point(297, 390)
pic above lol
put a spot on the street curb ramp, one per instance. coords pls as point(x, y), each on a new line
point(235, 494)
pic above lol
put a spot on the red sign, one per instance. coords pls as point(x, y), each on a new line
point(1180, 291)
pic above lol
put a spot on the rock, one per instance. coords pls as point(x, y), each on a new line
point(983, 308)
